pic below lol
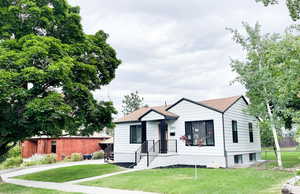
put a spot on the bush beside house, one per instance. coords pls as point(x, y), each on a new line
point(98, 155)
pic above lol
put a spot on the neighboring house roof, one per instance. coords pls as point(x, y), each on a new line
point(219, 105)
point(108, 141)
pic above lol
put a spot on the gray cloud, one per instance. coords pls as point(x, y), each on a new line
point(173, 48)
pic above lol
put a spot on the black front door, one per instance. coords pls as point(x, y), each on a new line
point(163, 131)
point(144, 137)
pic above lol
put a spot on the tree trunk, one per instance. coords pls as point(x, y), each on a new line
point(278, 153)
point(5, 146)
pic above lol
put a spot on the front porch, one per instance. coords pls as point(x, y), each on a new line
point(153, 135)
point(151, 149)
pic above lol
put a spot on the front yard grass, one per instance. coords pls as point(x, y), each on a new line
point(289, 159)
point(70, 173)
point(181, 180)
point(6, 188)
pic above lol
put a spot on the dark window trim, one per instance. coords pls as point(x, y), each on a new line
point(239, 156)
point(251, 138)
point(205, 131)
point(130, 139)
point(252, 157)
point(235, 134)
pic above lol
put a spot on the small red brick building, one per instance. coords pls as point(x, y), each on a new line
point(62, 147)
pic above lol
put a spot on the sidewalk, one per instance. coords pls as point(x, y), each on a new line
point(33, 169)
point(71, 188)
point(67, 186)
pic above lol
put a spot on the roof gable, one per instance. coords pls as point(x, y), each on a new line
point(194, 102)
point(157, 115)
point(138, 114)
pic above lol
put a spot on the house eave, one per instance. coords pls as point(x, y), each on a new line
point(165, 116)
point(194, 102)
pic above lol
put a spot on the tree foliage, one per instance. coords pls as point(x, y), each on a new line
point(292, 5)
point(132, 102)
point(266, 135)
point(48, 68)
point(270, 73)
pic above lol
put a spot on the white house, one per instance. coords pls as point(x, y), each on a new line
point(211, 133)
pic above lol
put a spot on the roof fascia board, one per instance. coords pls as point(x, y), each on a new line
point(236, 102)
point(165, 116)
point(194, 102)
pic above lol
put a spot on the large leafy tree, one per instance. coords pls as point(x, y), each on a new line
point(293, 6)
point(132, 102)
point(48, 68)
point(270, 73)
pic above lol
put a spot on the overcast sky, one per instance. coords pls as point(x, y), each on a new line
point(173, 48)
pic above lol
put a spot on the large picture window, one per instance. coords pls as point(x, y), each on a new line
point(235, 138)
point(200, 133)
point(135, 133)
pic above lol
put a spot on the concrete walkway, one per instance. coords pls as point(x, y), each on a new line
point(33, 169)
point(102, 176)
point(67, 186)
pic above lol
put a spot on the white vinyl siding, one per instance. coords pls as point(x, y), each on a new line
point(188, 111)
point(244, 146)
point(152, 116)
point(123, 150)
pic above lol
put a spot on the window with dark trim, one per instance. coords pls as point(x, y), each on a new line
point(250, 132)
point(200, 133)
point(238, 159)
point(252, 157)
point(234, 132)
point(135, 133)
point(53, 147)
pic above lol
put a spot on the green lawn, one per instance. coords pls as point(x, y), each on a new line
point(6, 188)
point(64, 174)
point(289, 159)
point(181, 180)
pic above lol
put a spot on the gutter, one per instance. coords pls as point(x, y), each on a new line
point(224, 146)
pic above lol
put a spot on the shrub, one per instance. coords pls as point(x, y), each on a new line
point(98, 155)
point(67, 158)
point(14, 152)
point(12, 162)
point(76, 157)
point(48, 159)
point(38, 159)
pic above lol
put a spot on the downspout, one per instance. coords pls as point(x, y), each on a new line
point(224, 146)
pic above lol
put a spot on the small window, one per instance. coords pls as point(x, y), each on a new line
point(136, 134)
point(53, 147)
point(252, 157)
point(238, 159)
point(250, 132)
point(172, 133)
point(234, 132)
